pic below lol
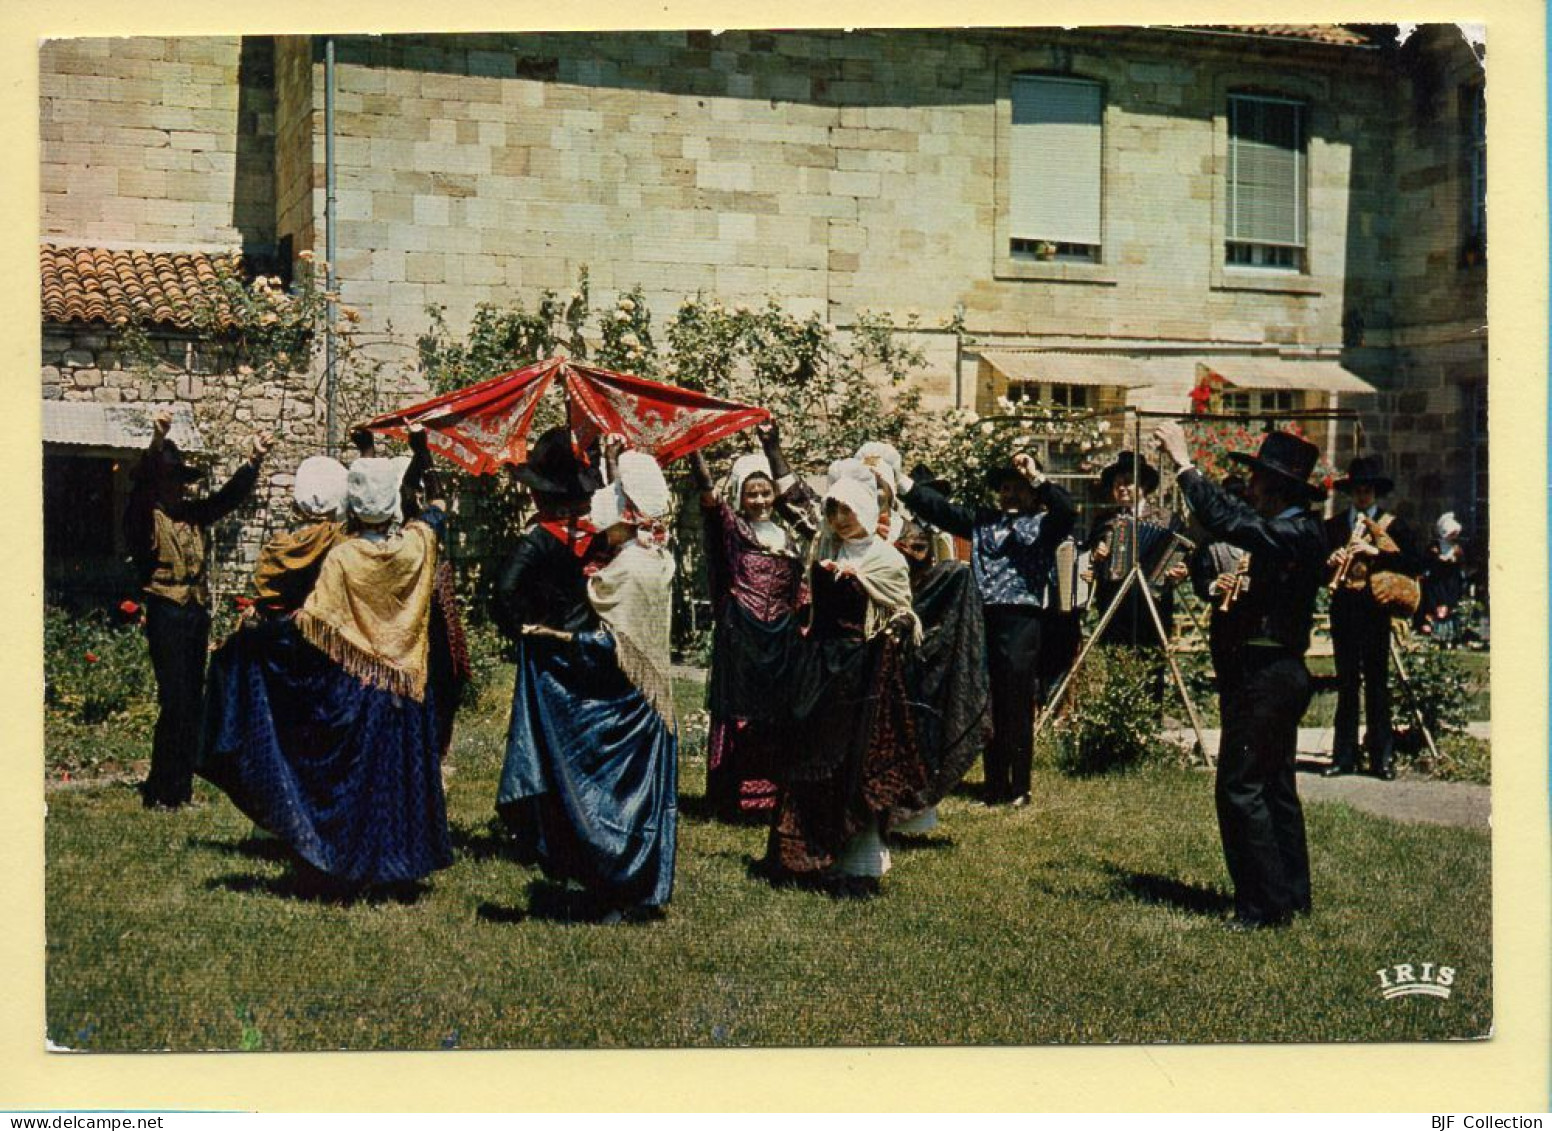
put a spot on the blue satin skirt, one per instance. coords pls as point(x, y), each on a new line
point(589, 785)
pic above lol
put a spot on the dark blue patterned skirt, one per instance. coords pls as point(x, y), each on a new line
point(348, 775)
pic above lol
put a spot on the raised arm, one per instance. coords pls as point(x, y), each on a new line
point(935, 509)
point(213, 508)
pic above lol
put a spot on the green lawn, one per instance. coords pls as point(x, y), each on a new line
point(1091, 917)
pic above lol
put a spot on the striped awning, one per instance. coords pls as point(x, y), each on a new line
point(1284, 373)
point(114, 427)
point(1057, 368)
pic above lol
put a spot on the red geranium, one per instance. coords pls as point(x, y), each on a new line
point(91, 657)
point(243, 602)
point(128, 608)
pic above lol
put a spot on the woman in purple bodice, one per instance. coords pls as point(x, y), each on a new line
point(756, 578)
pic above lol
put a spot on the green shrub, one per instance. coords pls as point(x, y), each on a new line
point(1441, 688)
point(1112, 721)
point(93, 668)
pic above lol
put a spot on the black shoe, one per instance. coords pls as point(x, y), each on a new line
point(1241, 925)
point(1336, 770)
point(1020, 802)
point(1386, 773)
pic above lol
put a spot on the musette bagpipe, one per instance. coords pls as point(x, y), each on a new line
point(1072, 588)
point(1150, 547)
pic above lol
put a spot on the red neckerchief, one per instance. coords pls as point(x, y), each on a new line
point(576, 533)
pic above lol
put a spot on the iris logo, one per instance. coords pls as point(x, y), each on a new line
point(1406, 980)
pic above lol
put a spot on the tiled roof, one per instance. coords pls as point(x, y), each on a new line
point(85, 424)
point(1315, 33)
point(93, 284)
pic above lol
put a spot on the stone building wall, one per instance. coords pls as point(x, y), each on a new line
point(140, 141)
point(1439, 347)
point(87, 363)
point(839, 172)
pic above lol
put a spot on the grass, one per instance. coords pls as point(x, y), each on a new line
point(1089, 917)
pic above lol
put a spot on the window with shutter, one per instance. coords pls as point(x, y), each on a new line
point(1266, 183)
point(1054, 197)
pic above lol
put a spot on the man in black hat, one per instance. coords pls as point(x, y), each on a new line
point(1011, 558)
point(1364, 540)
point(543, 581)
point(1268, 686)
point(168, 540)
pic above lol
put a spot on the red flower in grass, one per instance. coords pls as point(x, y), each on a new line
point(92, 657)
point(128, 608)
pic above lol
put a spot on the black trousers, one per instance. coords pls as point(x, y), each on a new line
point(1013, 635)
point(179, 637)
point(1360, 642)
point(1259, 816)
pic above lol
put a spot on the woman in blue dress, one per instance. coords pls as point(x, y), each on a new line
point(323, 726)
point(589, 785)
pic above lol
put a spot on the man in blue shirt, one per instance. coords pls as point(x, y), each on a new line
point(1011, 558)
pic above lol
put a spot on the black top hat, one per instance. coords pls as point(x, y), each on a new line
point(1123, 466)
point(552, 468)
point(1286, 455)
point(1365, 471)
point(175, 467)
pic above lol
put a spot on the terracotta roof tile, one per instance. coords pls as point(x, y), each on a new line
point(91, 284)
point(1316, 33)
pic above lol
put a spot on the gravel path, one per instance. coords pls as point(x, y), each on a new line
point(1406, 799)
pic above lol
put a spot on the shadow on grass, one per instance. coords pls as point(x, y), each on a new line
point(311, 886)
point(920, 842)
point(1149, 887)
point(489, 841)
point(256, 847)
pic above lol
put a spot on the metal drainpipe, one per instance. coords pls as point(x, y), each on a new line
point(331, 281)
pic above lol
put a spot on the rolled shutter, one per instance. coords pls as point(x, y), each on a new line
point(1266, 171)
point(1055, 164)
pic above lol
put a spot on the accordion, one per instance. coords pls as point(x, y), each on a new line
point(1147, 546)
point(1072, 591)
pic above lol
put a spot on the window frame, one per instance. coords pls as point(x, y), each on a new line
point(1052, 63)
point(1314, 92)
point(1299, 249)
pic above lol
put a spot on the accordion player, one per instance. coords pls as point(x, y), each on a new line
point(1152, 547)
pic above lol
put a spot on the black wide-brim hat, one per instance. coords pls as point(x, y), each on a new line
point(1122, 465)
point(1288, 456)
point(174, 466)
point(1365, 471)
point(924, 476)
point(553, 468)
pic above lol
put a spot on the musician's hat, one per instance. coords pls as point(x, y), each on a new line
point(1366, 471)
point(1123, 465)
point(1289, 456)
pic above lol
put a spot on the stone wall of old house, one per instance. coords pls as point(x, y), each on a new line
point(140, 141)
point(839, 172)
point(88, 363)
point(1437, 347)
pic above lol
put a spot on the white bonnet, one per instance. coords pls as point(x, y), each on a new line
point(320, 487)
point(372, 488)
point(750, 463)
point(861, 497)
point(640, 487)
point(1447, 526)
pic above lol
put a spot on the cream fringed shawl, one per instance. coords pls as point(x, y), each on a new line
point(370, 610)
point(883, 574)
point(631, 595)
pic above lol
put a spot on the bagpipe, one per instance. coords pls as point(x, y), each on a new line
point(1073, 590)
point(1149, 547)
